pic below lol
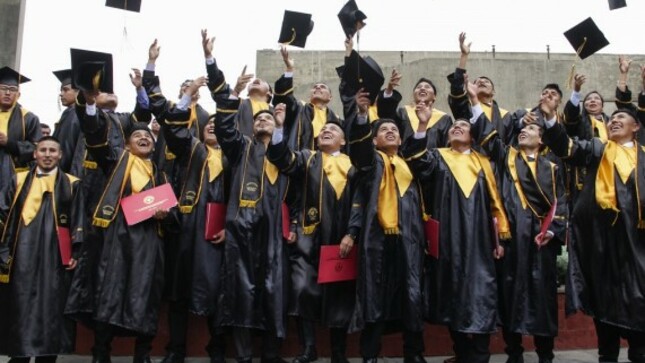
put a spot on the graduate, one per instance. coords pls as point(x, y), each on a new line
point(530, 186)
point(330, 214)
point(38, 205)
point(19, 128)
point(258, 90)
point(608, 232)
point(194, 285)
point(391, 246)
point(461, 194)
point(624, 94)
point(304, 120)
point(118, 291)
point(67, 129)
point(254, 290)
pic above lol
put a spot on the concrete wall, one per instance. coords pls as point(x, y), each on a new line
point(518, 77)
point(11, 24)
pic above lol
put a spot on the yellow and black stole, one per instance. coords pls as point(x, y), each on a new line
point(255, 167)
point(535, 187)
point(245, 113)
point(16, 130)
point(395, 181)
point(414, 119)
point(198, 164)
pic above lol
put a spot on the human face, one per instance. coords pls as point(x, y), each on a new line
point(331, 138)
point(551, 98)
point(45, 131)
point(593, 104)
point(484, 87)
point(67, 95)
point(459, 133)
point(258, 88)
point(8, 95)
point(622, 127)
point(529, 137)
point(107, 101)
point(320, 92)
point(47, 155)
point(154, 127)
point(263, 125)
point(388, 138)
point(184, 87)
point(424, 92)
point(141, 143)
point(209, 133)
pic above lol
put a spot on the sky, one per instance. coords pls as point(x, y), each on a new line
point(242, 27)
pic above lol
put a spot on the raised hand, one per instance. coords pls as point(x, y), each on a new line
point(362, 101)
point(578, 81)
point(465, 48)
point(153, 52)
point(349, 46)
point(136, 79)
point(623, 64)
point(288, 62)
point(395, 81)
point(194, 86)
point(242, 81)
point(424, 113)
point(207, 44)
point(471, 89)
point(279, 112)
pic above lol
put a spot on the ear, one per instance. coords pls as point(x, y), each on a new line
point(374, 141)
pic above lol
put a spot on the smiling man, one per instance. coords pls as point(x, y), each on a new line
point(38, 205)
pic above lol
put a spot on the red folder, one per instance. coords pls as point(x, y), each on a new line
point(64, 245)
point(431, 229)
point(333, 268)
point(546, 222)
point(285, 221)
point(141, 206)
point(215, 220)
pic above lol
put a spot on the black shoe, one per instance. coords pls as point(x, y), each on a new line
point(516, 359)
point(172, 357)
point(308, 356)
point(545, 360)
point(141, 359)
point(414, 359)
point(339, 359)
point(369, 360)
point(273, 360)
point(101, 359)
point(636, 358)
point(219, 358)
point(248, 360)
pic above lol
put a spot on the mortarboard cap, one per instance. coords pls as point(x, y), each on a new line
point(340, 70)
point(363, 73)
point(616, 4)
point(131, 5)
point(295, 28)
point(91, 70)
point(64, 76)
point(11, 77)
point(586, 39)
point(351, 18)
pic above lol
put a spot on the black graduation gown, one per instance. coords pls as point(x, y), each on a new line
point(607, 252)
point(331, 303)
point(23, 131)
point(67, 130)
point(197, 263)
point(254, 289)
point(32, 303)
point(461, 285)
point(390, 267)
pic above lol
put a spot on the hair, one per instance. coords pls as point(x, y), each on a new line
point(44, 126)
point(602, 100)
point(489, 80)
point(423, 79)
point(143, 126)
point(261, 112)
point(48, 138)
point(553, 86)
point(377, 124)
point(630, 111)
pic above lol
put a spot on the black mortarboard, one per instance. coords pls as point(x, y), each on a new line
point(91, 70)
point(363, 72)
point(11, 77)
point(295, 28)
point(340, 70)
point(616, 4)
point(131, 5)
point(586, 39)
point(64, 76)
point(350, 18)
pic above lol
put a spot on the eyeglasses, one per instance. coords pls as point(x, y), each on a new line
point(8, 89)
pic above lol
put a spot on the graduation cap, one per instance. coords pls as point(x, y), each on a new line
point(10, 77)
point(91, 71)
point(351, 18)
point(295, 28)
point(130, 5)
point(616, 4)
point(363, 72)
point(586, 38)
point(64, 76)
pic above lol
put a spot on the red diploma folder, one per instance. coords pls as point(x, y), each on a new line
point(285, 221)
point(546, 222)
point(333, 268)
point(64, 245)
point(215, 220)
point(141, 206)
point(431, 228)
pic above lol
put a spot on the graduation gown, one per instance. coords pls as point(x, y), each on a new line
point(23, 131)
point(254, 289)
point(67, 130)
point(326, 216)
point(121, 279)
point(606, 254)
point(390, 266)
point(33, 298)
point(461, 285)
point(300, 116)
point(197, 264)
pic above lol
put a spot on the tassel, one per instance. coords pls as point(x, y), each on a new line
point(4, 279)
point(309, 229)
point(247, 203)
point(390, 231)
point(100, 222)
point(573, 66)
point(186, 209)
point(505, 235)
point(90, 164)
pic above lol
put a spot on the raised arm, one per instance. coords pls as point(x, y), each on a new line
point(229, 138)
point(283, 89)
point(361, 147)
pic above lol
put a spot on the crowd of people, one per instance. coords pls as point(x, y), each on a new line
point(454, 218)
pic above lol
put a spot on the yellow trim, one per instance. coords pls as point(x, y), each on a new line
point(290, 90)
point(226, 110)
point(417, 155)
point(218, 88)
point(362, 138)
point(487, 138)
point(458, 96)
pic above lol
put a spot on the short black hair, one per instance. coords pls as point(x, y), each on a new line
point(553, 86)
point(377, 124)
point(48, 138)
point(423, 79)
point(261, 112)
point(44, 126)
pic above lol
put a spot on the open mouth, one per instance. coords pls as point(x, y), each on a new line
point(457, 132)
point(390, 137)
point(143, 143)
point(326, 136)
point(615, 127)
point(522, 136)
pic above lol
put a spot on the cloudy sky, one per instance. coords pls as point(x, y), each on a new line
point(241, 27)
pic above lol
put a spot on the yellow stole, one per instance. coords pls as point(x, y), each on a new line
point(600, 126)
point(488, 110)
point(214, 160)
point(388, 200)
point(616, 157)
point(39, 186)
point(4, 119)
point(336, 169)
point(320, 119)
point(414, 119)
point(465, 169)
point(372, 113)
point(140, 173)
point(512, 158)
point(257, 106)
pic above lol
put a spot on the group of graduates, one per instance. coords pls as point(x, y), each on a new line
point(370, 182)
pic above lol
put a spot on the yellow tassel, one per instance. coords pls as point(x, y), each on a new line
point(394, 230)
point(4, 279)
point(309, 229)
point(90, 164)
point(505, 235)
point(247, 203)
point(100, 222)
point(186, 209)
